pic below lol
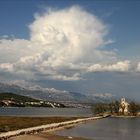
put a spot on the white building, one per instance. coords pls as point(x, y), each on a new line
point(124, 106)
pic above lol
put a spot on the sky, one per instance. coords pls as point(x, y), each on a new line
point(87, 46)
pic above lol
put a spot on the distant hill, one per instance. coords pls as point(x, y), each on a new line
point(14, 100)
point(15, 97)
point(52, 94)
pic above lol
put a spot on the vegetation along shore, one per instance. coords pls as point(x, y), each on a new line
point(118, 109)
point(14, 123)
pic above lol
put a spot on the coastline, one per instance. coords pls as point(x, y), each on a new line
point(47, 128)
point(45, 136)
point(115, 116)
point(47, 131)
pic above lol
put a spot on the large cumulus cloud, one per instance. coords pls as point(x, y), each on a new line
point(64, 44)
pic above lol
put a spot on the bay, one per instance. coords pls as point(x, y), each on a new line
point(44, 112)
point(106, 129)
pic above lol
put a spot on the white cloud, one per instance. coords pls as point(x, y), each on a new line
point(6, 67)
point(12, 50)
point(138, 67)
point(62, 45)
point(69, 35)
point(63, 77)
point(122, 66)
point(103, 95)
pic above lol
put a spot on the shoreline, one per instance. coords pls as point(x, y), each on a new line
point(46, 136)
point(10, 123)
point(47, 128)
point(115, 116)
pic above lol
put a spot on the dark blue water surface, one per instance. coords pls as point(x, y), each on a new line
point(44, 112)
point(107, 129)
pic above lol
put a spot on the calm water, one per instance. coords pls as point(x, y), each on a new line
point(44, 112)
point(107, 129)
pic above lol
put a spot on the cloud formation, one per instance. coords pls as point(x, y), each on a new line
point(121, 66)
point(138, 67)
point(63, 45)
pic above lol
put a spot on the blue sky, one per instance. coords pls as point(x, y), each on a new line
point(118, 66)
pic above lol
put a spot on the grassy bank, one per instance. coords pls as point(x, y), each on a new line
point(14, 123)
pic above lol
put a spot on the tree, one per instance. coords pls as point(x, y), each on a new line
point(114, 107)
point(99, 108)
point(111, 109)
point(133, 108)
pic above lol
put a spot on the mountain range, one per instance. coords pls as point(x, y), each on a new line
point(53, 94)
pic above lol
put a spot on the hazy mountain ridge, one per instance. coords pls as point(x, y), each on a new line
point(53, 94)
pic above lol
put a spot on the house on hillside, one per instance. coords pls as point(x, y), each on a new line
point(7, 102)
